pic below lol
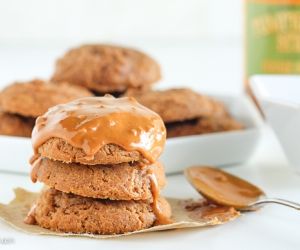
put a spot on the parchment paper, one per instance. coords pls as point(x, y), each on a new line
point(185, 214)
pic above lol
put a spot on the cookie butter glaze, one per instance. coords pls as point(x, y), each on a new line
point(92, 122)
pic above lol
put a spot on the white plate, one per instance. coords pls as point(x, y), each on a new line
point(219, 149)
point(15, 154)
point(279, 98)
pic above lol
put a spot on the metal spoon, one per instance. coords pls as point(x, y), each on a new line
point(226, 189)
point(265, 200)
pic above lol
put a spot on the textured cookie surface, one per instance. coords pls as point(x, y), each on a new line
point(106, 68)
point(180, 104)
point(15, 125)
point(63, 212)
point(202, 126)
point(114, 182)
point(58, 149)
point(35, 97)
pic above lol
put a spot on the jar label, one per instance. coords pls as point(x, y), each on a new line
point(272, 38)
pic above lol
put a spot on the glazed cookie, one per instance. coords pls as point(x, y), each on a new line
point(115, 182)
point(70, 213)
point(15, 125)
point(100, 130)
point(202, 126)
point(175, 105)
point(107, 68)
point(33, 98)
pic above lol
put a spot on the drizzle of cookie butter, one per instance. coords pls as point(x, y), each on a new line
point(33, 159)
point(161, 219)
point(92, 122)
point(36, 164)
point(30, 218)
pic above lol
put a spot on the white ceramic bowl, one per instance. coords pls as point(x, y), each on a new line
point(279, 98)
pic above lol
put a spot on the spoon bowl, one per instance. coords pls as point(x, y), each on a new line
point(226, 189)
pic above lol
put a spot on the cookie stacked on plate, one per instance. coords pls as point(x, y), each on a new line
point(107, 69)
point(98, 158)
point(22, 102)
point(186, 112)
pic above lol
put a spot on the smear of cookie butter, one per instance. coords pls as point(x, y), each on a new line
point(90, 123)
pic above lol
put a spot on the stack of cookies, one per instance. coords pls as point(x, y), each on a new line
point(98, 157)
point(186, 112)
point(22, 102)
point(107, 69)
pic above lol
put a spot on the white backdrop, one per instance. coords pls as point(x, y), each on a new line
point(197, 42)
point(72, 21)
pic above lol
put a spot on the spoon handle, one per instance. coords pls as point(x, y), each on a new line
point(276, 201)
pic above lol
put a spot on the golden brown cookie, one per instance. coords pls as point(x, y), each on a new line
point(115, 182)
point(70, 213)
point(60, 150)
point(202, 126)
point(35, 97)
point(175, 105)
point(15, 125)
point(107, 68)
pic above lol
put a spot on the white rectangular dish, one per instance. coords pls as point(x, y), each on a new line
point(224, 148)
point(217, 149)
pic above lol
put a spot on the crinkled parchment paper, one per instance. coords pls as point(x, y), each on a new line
point(185, 214)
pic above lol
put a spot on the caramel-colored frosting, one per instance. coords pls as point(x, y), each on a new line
point(223, 188)
point(36, 164)
point(30, 218)
point(161, 218)
point(92, 122)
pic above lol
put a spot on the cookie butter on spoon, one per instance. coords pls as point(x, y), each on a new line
point(225, 189)
point(98, 157)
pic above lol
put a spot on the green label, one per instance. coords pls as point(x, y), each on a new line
point(272, 39)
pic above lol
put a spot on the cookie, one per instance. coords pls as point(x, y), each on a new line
point(58, 149)
point(15, 125)
point(107, 68)
point(71, 213)
point(174, 105)
point(115, 182)
point(35, 97)
point(202, 126)
point(100, 130)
